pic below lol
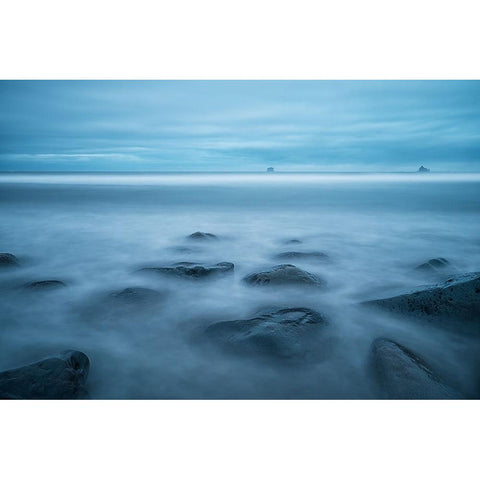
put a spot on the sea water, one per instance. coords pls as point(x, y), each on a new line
point(95, 231)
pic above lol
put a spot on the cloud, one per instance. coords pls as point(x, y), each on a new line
point(186, 125)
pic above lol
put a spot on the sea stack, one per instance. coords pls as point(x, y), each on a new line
point(422, 169)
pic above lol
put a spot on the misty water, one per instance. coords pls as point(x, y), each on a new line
point(95, 231)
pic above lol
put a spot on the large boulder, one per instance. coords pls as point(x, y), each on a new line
point(456, 299)
point(59, 377)
point(202, 236)
point(402, 374)
point(284, 274)
point(288, 333)
point(8, 260)
point(45, 285)
point(193, 270)
point(301, 256)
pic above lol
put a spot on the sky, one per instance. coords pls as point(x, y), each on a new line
point(376, 126)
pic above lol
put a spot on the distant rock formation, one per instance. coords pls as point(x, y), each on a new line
point(270, 170)
point(423, 169)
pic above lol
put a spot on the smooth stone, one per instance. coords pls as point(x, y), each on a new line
point(301, 256)
point(193, 270)
point(433, 265)
point(288, 333)
point(202, 236)
point(137, 295)
point(59, 377)
point(8, 260)
point(45, 285)
point(402, 374)
point(285, 274)
point(456, 299)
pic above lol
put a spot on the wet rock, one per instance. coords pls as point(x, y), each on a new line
point(434, 265)
point(193, 270)
point(202, 236)
point(288, 333)
point(137, 295)
point(456, 299)
point(59, 377)
point(45, 285)
point(292, 241)
point(402, 374)
point(285, 274)
point(8, 260)
point(302, 256)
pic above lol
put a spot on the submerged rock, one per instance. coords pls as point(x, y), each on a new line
point(401, 374)
point(45, 285)
point(137, 295)
point(457, 299)
point(59, 377)
point(285, 274)
point(292, 241)
point(8, 260)
point(193, 270)
point(202, 236)
point(434, 265)
point(288, 333)
point(301, 256)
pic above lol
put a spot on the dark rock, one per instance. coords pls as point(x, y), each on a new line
point(293, 241)
point(401, 374)
point(301, 256)
point(457, 299)
point(193, 270)
point(285, 274)
point(137, 295)
point(434, 265)
point(202, 236)
point(8, 260)
point(59, 377)
point(289, 333)
point(45, 285)
point(423, 169)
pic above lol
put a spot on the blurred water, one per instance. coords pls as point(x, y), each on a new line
point(93, 231)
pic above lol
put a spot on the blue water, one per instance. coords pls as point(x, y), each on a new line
point(94, 230)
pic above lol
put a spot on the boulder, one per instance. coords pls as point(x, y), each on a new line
point(288, 333)
point(301, 256)
point(8, 260)
point(285, 274)
point(434, 265)
point(456, 299)
point(137, 295)
point(402, 374)
point(193, 270)
point(44, 285)
point(59, 377)
point(202, 236)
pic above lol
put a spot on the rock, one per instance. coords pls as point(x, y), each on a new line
point(8, 260)
point(434, 265)
point(270, 170)
point(285, 274)
point(422, 169)
point(59, 377)
point(401, 374)
point(193, 270)
point(293, 241)
point(202, 236)
point(301, 256)
point(456, 299)
point(45, 285)
point(137, 295)
point(289, 333)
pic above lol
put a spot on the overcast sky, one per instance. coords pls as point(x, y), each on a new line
point(239, 126)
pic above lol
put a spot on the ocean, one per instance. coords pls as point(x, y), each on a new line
point(94, 231)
